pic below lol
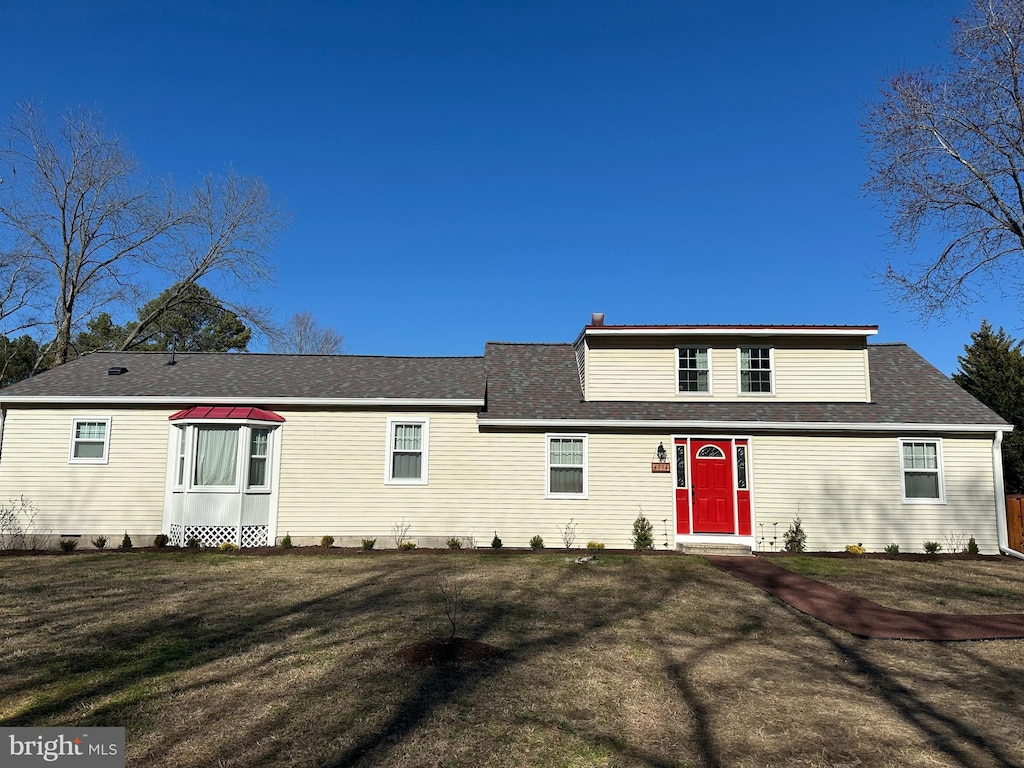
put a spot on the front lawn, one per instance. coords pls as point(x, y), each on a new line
point(228, 660)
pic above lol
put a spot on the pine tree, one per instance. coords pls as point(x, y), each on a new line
point(992, 370)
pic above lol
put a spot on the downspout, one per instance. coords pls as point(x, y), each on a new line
point(997, 472)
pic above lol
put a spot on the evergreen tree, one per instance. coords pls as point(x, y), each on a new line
point(18, 358)
point(194, 315)
point(992, 370)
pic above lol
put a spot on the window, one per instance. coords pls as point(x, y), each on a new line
point(407, 452)
point(741, 467)
point(89, 441)
point(756, 370)
point(680, 466)
point(222, 456)
point(694, 375)
point(710, 452)
point(921, 467)
point(179, 471)
point(567, 466)
point(259, 451)
point(216, 456)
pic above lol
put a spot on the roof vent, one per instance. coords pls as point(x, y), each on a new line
point(117, 370)
point(597, 318)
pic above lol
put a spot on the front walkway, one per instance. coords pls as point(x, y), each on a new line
point(862, 617)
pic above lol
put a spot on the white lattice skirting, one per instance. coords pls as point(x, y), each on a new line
point(215, 535)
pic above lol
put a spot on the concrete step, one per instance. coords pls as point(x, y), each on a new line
point(723, 548)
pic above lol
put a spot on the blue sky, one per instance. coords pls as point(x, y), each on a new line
point(458, 172)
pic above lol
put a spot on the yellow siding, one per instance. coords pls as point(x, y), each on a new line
point(805, 370)
point(332, 482)
point(847, 490)
point(126, 494)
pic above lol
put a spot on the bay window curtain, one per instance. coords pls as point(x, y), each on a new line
point(216, 455)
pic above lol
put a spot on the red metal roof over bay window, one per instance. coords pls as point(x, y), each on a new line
point(250, 413)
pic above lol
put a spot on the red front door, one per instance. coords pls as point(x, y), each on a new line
point(712, 486)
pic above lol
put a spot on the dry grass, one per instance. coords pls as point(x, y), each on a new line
point(221, 660)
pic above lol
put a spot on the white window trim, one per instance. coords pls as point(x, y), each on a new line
point(940, 471)
point(548, 493)
point(423, 479)
point(711, 384)
point(241, 484)
point(180, 456)
point(268, 459)
point(72, 459)
point(739, 370)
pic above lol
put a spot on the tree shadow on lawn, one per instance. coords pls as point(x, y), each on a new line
point(134, 651)
point(430, 690)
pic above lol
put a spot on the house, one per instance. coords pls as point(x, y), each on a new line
point(715, 433)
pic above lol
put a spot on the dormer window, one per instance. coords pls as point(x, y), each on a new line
point(756, 370)
point(694, 375)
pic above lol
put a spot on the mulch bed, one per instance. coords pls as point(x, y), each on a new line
point(443, 650)
point(861, 617)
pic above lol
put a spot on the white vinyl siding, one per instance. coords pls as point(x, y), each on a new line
point(90, 438)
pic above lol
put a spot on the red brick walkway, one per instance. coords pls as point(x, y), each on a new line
point(862, 617)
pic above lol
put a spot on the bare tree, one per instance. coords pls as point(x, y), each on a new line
point(78, 209)
point(302, 335)
point(947, 156)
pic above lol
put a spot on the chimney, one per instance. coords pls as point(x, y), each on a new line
point(597, 318)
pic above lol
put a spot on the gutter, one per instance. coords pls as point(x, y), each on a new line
point(997, 471)
point(908, 429)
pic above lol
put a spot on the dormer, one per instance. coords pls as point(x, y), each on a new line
point(780, 363)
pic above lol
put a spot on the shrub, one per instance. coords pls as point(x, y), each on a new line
point(855, 549)
point(595, 546)
point(405, 546)
point(286, 542)
point(932, 547)
point(68, 545)
point(643, 533)
point(227, 546)
point(454, 543)
point(399, 532)
point(369, 543)
point(327, 541)
point(161, 541)
point(126, 542)
point(972, 546)
point(193, 543)
point(495, 542)
point(568, 533)
point(18, 524)
point(795, 539)
point(100, 542)
point(536, 543)
point(892, 549)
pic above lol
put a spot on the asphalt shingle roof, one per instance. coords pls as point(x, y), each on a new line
point(521, 381)
point(541, 381)
point(207, 377)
